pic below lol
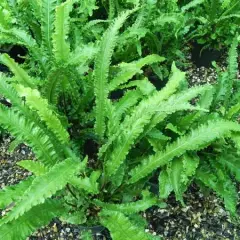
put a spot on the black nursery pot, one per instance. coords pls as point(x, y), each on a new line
point(204, 57)
point(153, 187)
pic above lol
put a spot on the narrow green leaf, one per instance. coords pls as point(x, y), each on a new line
point(129, 208)
point(21, 75)
point(34, 219)
point(43, 187)
point(217, 179)
point(12, 193)
point(101, 70)
point(197, 139)
point(165, 185)
point(37, 168)
point(61, 46)
point(47, 23)
point(121, 227)
point(36, 102)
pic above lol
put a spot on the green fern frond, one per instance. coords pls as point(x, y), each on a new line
point(6, 18)
point(174, 18)
point(10, 93)
point(179, 172)
point(27, 131)
point(130, 69)
point(53, 85)
point(18, 105)
point(226, 79)
point(44, 187)
point(217, 179)
point(134, 125)
point(192, 4)
point(175, 172)
point(232, 59)
point(233, 111)
point(222, 18)
point(197, 139)
point(77, 217)
point(121, 227)
point(129, 208)
point(12, 193)
point(82, 55)
point(119, 177)
point(190, 164)
point(159, 112)
point(61, 47)
point(34, 219)
point(221, 90)
point(21, 75)
point(178, 102)
point(232, 69)
point(165, 185)
point(144, 85)
point(101, 70)
point(36, 102)
point(127, 71)
point(129, 100)
point(225, 3)
point(14, 144)
point(37, 168)
point(16, 35)
point(47, 23)
point(88, 184)
point(36, 6)
point(205, 102)
point(231, 163)
point(157, 139)
point(87, 7)
point(111, 11)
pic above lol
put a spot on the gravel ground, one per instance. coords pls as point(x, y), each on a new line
point(10, 173)
point(203, 218)
point(202, 75)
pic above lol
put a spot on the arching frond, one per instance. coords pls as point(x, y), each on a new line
point(101, 70)
point(21, 75)
point(134, 125)
point(37, 168)
point(61, 46)
point(217, 179)
point(192, 4)
point(121, 227)
point(130, 69)
point(42, 188)
point(12, 193)
point(29, 133)
point(36, 102)
point(143, 108)
point(197, 139)
point(130, 208)
point(35, 218)
point(47, 23)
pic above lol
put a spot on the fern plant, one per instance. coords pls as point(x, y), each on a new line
point(216, 23)
point(110, 187)
point(216, 166)
point(43, 28)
